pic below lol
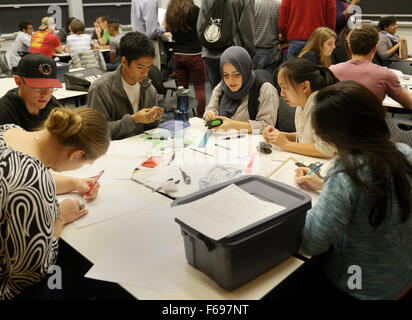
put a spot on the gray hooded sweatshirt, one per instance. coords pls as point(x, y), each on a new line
point(108, 96)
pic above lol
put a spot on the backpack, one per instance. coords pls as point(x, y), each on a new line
point(216, 32)
point(253, 99)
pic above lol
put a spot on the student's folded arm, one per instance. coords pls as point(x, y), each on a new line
point(118, 128)
point(213, 105)
point(404, 98)
point(268, 108)
point(383, 49)
point(307, 149)
point(326, 222)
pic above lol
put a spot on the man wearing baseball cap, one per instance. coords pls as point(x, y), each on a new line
point(29, 105)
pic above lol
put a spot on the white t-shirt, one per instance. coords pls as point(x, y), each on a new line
point(133, 93)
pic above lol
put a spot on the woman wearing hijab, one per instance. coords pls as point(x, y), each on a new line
point(242, 100)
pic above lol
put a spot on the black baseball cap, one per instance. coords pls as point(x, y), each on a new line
point(38, 71)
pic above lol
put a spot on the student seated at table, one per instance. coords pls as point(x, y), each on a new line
point(362, 218)
point(63, 33)
point(342, 52)
point(21, 43)
point(29, 105)
point(389, 41)
point(380, 80)
point(77, 40)
point(44, 40)
point(242, 100)
point(320, 46)
point(113, 26)
point(300, 80)
point(126, 96)
point(32, 219)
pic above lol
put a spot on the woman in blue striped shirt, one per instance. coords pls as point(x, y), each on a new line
point(363, 216)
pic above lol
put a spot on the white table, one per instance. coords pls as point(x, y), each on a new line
point(60, 94)
point(91, 242)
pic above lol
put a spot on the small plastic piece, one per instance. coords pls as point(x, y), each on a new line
point(213, 123)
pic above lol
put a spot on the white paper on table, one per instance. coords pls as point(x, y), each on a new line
point(286, 174)
point(108, 204)
point(150, 253)
point(125, 148)
point(225, 212)
point(195, 172)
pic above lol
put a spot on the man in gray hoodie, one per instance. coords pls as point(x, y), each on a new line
point(126, 96)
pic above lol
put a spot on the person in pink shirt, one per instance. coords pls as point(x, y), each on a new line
point(380, 80)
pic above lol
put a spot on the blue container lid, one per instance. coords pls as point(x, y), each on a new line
point(174, 125)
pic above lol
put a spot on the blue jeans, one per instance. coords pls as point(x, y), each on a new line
point(294, 47)
point(265, 58)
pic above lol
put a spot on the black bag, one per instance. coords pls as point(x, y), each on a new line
point(216, 32)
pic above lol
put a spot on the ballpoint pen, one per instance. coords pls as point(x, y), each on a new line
point(235, 137)
point(218, 145)
point(186, 178)
point(94, 183)
point(314, 169)
point(171, 158)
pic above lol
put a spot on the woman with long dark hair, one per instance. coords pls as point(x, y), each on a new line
point(363, 215)
point(181, 20)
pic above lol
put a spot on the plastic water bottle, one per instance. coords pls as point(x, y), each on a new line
point(182, 104)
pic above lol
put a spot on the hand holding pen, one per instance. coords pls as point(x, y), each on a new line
point(304, 176)
point(93, 186)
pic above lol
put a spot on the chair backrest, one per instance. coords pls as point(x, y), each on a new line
point(5, 71)
point(286, 117)
point(88, 59)
point(404, 66)
point(401, 130)
point(156, 76)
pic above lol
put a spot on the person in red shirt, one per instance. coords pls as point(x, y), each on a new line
point(44, 40)
point(298, 19)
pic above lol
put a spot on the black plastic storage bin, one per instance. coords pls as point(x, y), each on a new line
point(234, 260)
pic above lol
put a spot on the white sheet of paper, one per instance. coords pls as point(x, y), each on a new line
point(109, 203)
point(225, 212)
point(286, 174)
point(119, 147)
point(149, 254)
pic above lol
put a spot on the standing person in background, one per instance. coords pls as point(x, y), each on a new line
point(45, 41)
point(343, 8)
point(181, 20)
point(21, 43)
point(297, 21)
point(320, 47)
point(144, 18)
point(242, 13)
point(63, 33)
point(266, 34)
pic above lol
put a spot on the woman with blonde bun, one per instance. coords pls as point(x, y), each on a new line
point(31, 219)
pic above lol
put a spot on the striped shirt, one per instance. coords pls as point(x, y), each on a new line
point(267, 19)
point(79, 42)
point(267, 109)
point(340, 220)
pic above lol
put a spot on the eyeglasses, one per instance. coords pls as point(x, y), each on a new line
point(43, 89)
point(40, 89)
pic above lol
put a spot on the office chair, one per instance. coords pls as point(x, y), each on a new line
point(404, 66)
point(286, 117)
point(5, 70)
point(156, 76)
point(401, 130)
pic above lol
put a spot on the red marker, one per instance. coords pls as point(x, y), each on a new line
point(94, 183)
